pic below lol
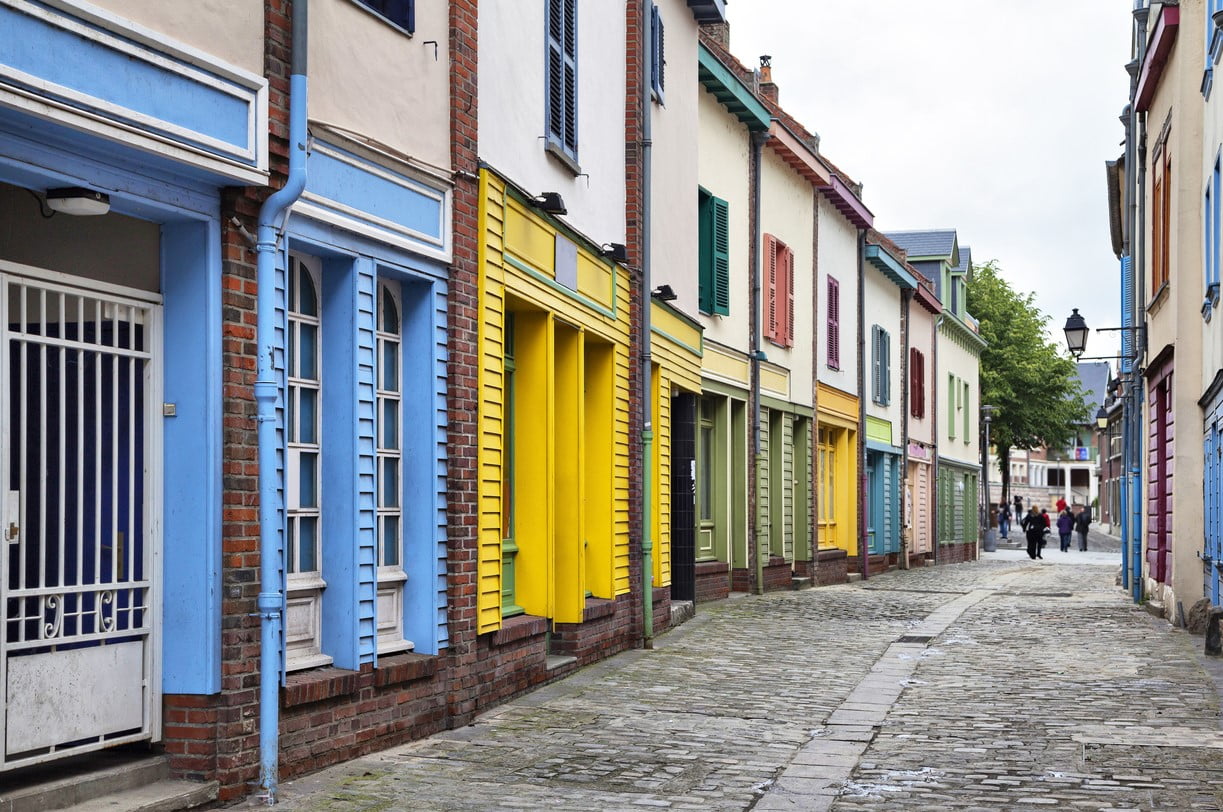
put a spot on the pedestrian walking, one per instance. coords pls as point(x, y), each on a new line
point(1034, 531)
point(1004, 519)
point(1081, 523)
point(1044, 537)
point(1065, 524)
point(1061, 505)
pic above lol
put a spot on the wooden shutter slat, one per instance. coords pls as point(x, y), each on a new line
point(721, 256)
point(788, 334)
point(770, 285)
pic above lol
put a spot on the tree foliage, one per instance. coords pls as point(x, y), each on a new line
point(1034, 386)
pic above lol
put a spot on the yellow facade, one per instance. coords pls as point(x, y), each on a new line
point(837, 469)
point(553, 415)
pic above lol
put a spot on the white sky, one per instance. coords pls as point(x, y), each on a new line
point(992, 117)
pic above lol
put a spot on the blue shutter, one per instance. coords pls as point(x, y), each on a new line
point(1127, 314)
point(885, 338)
point(562, 75)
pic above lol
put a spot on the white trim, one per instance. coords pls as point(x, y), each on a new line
point(327, 215)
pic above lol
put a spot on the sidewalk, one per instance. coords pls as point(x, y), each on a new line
point(1004, 683)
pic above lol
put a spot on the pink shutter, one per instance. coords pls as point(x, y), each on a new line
point(770, 293)
point(834, 323)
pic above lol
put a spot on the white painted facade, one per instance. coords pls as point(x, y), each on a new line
point(956, 360)
point(513, 111)
point(838, 258)
point(723, 155)
point(881, 299)
point(921, 338)
point(358, 61)
point(673, 239)
point(786, 213)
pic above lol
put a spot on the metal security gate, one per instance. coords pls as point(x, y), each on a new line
point(79, 509)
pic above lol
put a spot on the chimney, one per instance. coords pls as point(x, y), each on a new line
point(719, 33)
point(767, 88)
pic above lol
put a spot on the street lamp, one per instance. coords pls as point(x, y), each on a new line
point(987, 416)
point(1102, 418)
point(1076, 333)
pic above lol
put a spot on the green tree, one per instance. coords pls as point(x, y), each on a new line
point(1034, 386)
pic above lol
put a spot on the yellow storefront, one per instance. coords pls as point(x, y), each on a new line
point(837, 469)
point(554, 383)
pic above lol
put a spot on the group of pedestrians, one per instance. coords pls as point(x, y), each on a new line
point(1036, 525)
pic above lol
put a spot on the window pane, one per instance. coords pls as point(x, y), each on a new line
point(291, 403)
point(291, 360)
point(308, 366)
point(291, 547)
point(308, 407)
point(706, 473)
point(308, 305)
point(390, 366)
point(308, 489)
point(390, 483)
point(308, 543)
point(390, 314)
point(390, 541)
point(390, 424)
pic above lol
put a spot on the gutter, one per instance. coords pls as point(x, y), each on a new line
point(863, 546)
point(272, 218)
point(758, 139)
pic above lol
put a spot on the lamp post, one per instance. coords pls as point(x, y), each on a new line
point(987, 536)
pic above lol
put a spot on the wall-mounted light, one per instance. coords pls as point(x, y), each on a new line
point(1102, 418)
point(664, 293)
point(79, 201)
point(615, 251)
point(550, 202)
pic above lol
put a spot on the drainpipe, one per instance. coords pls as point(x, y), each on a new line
point(272, 217)
point(1136, 318)
point(906, 300)
point(647, 371)
point(863, 548)
point(934, 390)
point(758, 139)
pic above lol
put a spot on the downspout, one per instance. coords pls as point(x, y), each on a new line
point(934, 430)
point(647, 370)
point(758, 139)
point(863, 547)
point(272, 217)
point(1136, 317)
point(906, 300)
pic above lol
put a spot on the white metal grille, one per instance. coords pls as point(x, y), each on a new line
point(80, 375)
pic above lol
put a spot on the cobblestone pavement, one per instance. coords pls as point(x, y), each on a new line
point(1001, 684)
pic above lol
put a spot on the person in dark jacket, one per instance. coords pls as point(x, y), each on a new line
point(1033, 525)
point(1065, 524)
point(1081, 523)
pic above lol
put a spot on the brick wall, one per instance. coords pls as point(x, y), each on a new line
point(831, 567)
point(712, 581)
point(778, 575)
point(957, 553)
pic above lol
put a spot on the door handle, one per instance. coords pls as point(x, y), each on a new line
point(12, 531)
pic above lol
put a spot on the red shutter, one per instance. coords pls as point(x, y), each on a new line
point(770, 289)
point(834, 323)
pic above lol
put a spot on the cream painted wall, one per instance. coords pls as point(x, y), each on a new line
point(513, 109)
point(954, 359)
point(786, 212)
point(838, 257)
point(723, 152)
point(231, 30)
point(882, 306)
point(370, 78)
point(1175, 317)
point(921, 336)
point(673, 239)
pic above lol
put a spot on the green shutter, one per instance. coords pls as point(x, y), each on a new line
point(714, 254)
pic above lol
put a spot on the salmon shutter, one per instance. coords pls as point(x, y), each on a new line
point(834, 323)
point(770, 288)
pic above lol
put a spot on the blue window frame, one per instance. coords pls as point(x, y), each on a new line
point(1211, 236)
point(400, 12)
point(562, 76)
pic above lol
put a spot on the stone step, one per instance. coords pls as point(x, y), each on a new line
point(800, 582)
point(60, 784)
point(166, 795)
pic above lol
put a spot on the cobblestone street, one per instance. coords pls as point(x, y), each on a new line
point(1001, 684)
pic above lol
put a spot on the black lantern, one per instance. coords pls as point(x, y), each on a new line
point(1076, 334)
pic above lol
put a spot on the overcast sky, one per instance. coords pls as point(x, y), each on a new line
point(992, 117)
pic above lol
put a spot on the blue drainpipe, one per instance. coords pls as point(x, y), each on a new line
point(272, 217)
